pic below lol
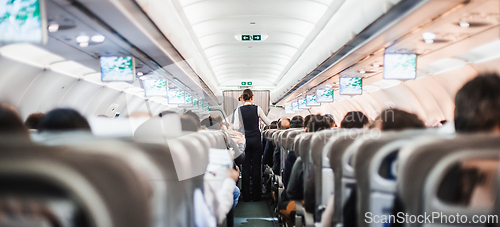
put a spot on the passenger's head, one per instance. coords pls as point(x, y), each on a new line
point(307, 119)
point(273, 125)
point(331, 120)
point(354, 119)
point(212, 122)
point(284, 123)
point(63, 119)
point(297, 122)
point(190, 121)
point(395, 119)
point(33, 120)
point(10, 122)
point(317, 123)
point(247, 95)
point(477, 105)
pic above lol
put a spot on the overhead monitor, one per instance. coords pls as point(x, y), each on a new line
point(117, 68)
point(303, 104)
point(195, 102)
point(189, 100)
point(324, 95)
point(351, 86)
point(295, 106)
point(400, 66)
point(22, 21)
point(311, 100)
point(155, 88)
point(288, 109)
point(176, 97)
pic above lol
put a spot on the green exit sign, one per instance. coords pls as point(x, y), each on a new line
point(243, 83)
point(245, 38)
point(249, 83)
point(256, 37)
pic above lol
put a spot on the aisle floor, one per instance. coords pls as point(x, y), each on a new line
point(249, 214)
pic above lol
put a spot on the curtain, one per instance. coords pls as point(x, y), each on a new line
point(260, 98)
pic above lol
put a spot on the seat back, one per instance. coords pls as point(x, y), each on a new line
point(339, 151)
point(375, 172)
point(97, 182)
point(291, 139)
point(427, 163)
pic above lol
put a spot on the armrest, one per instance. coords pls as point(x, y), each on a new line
point(309, 219)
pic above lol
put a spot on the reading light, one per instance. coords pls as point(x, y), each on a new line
point(84, 44)
point(376, 65)
point(464, 24)
point(53, 27)
point(362, 71)
point(429, 37)
point(82, 39)
point(139, 74)
point(98, 38)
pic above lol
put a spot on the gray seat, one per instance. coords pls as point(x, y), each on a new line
point(96, 181)
point(424, 165)
point(375, 166)
point(338, 156)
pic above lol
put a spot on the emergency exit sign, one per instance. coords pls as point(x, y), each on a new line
point(251, 37)
point(246, 83)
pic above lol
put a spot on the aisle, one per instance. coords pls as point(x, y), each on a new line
point(249, 214)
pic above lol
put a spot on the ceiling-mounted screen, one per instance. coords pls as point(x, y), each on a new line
point(295, 106)
point(303, 104)
point(324, 95)
point(189, 99)
point(400, 66)
point(288, 109)
point(351, 86)
point(311, 100)
point(22, 21)
point(117, 68)
point(155, 87)
point(195, 102)
point(176, 97)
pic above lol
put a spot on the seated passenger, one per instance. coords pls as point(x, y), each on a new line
point(33, 120)
point(395, 119)
point(267, 158)
point(190, 122)
point(331, 120)
point(296, 122)
point(214, 122)
point(10, 122)
point(63, 119)
point(283, 123)
point(477, 107)
point(354, 119)
point(295, 189)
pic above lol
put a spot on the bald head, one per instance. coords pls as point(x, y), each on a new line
point(284, 123)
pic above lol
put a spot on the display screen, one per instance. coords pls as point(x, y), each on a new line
point(351, 86)
point(195, 102)
point(311, 100)
point(176, 97)
point(189, 100)
point(324, 95)
point(155, 87)
point(400, 66)
point(288, 109)
point(21, 21)
point(303, 104)
point(295, 106)
point(117, 68)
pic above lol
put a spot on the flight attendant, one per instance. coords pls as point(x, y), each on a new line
point(246, 120)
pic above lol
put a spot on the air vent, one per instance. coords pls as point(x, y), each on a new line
point(245, 87)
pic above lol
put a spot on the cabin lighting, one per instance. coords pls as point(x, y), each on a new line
point(429, 37)
point(84, 44)
point(53, 27)
point(82, 39)
point(98, 38)
point(464, 24)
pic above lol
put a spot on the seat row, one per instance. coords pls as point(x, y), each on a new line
point(412, 165)
point(83, 180)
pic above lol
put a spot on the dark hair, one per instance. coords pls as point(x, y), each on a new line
point(477, 104)
point(63, 119)
point(166, 112)
point(194, 117)
point(212, 122)
point(354, 119)
point(273, 125)
point(247, 94)
point(395, 119)
point(330, 119)
point(10, 122)
point(33, 120)
point(307, 119)
point(297, 122)
point(317, 123)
